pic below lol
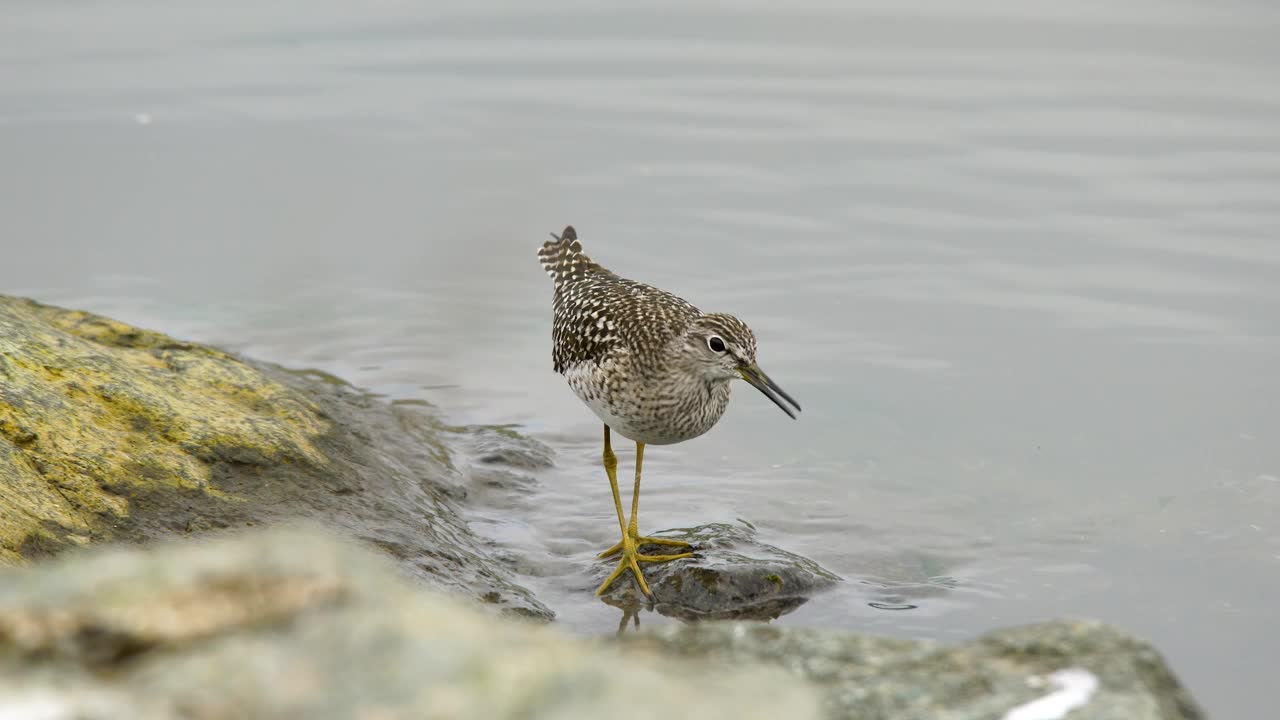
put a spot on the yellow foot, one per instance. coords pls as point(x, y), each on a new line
point(641, 540)
point(631, 560)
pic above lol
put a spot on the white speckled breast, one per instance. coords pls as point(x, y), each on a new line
point(654, 411)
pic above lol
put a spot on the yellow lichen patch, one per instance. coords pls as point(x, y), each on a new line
point(93, 411)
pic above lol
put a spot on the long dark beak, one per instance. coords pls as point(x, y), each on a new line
point(754, 375)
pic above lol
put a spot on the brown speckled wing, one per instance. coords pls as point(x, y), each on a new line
point(597, 313)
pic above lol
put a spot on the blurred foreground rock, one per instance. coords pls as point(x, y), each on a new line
point(1071, 670)
point(290, 624)
point(732, 576)
point(110, 432)
point(278, 624)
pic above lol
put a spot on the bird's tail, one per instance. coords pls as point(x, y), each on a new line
point(563, 258)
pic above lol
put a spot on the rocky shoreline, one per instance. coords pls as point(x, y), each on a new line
point(113, 433)
point(188, 461)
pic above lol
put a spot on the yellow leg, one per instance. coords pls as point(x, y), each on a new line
point(630, 534)
point(611, 469)
point(634, 530)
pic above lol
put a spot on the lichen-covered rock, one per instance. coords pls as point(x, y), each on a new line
point(109, 432)
point(731, 576)
point(1089, 670)
point(287, 625)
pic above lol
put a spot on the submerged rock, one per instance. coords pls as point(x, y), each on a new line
point(731, 576)
point(1073, 670)
point(288, 625)
point(109, 432)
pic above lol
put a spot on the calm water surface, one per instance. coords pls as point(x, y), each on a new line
point(1018, 261)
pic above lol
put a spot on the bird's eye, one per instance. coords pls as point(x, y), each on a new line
point(715, 343)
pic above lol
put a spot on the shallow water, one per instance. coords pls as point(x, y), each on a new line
point(1018, 262)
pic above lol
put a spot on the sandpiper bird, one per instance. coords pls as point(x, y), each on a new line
point(650, 365)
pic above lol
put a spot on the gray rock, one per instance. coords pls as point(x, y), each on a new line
point(113, 433)
point(499, 463)
point(1037, 672)
point(731, 576)
point(503, 445)
point(286, 625)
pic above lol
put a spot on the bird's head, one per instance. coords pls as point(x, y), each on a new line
point(721, 347)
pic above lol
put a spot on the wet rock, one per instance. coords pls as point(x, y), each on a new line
point(502, 445)
point(109, 432)
point(1027, 673)
point(731, 576)
point(284, 624)
point(498, 463)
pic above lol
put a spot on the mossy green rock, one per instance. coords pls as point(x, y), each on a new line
point(283, 624)
point(110, 432)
